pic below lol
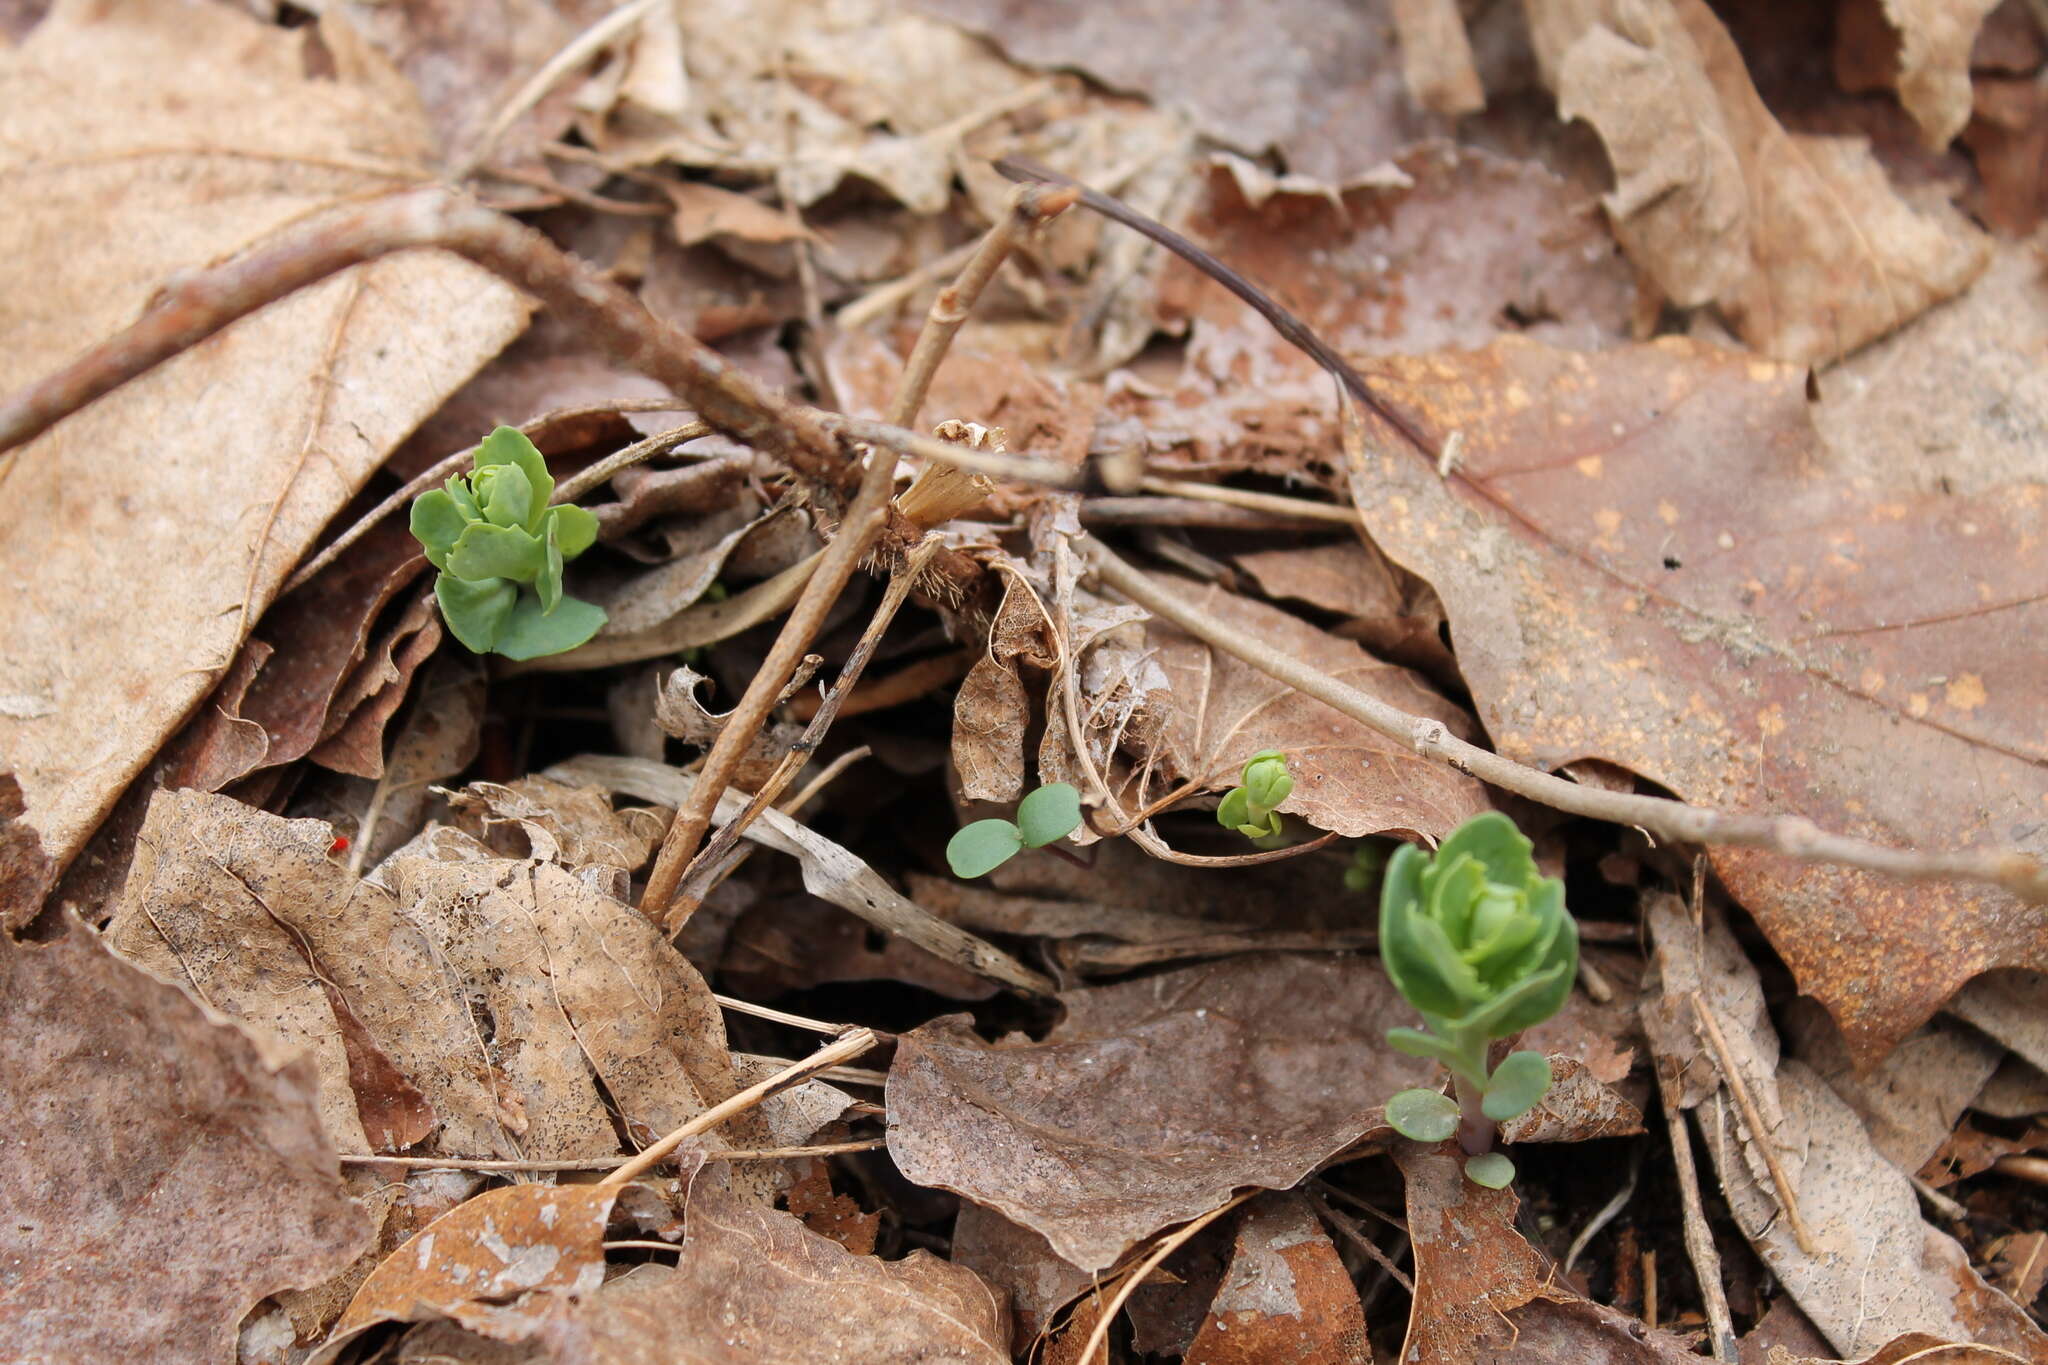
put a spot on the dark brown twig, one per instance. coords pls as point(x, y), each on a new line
point(1284, 322)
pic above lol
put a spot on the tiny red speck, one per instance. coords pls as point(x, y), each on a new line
point(340, 844)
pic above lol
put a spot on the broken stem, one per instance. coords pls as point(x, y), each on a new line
point(1792, 835)
point(1029, 206)
point(831, 1055)
point(863, 522)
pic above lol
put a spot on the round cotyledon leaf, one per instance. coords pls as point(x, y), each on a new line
point(1515, 1086)
point(1424, 1115)
point(982, 847)
point(1048, 814)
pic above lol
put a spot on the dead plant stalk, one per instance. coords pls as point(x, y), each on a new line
point(1792, 835)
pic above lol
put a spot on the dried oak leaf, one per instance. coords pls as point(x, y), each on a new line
point(1286, 1299)
point(1218, 711)
point(1748, 629)
point(1154, 1099)
point(1920, 48)
point(1319, 79)
point(26, 873)
point(1482, 1293)
point(165, 1171)
point(157, 523)
point(1855, 1209)
point(1800, 239)
point(754, 1284)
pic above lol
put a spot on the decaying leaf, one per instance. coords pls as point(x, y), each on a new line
point(1154, 1099)
point(1482, 1293)
point(1800, 239)
point(1286, 1299)
point(1319, 79)
point(1748, 629)
point(165, 1170)
point(753, 1284)
point(1218, 711)
point(1854, 1211)
point(200, 484)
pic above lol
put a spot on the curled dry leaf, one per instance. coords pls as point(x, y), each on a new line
point(1020, 1262)
point(1749, 629)
point(569, 825)
point(1482, 1293)
point(992, 711)
point(1855, 1210)
point(1286, 1298)
point(283, 415)
point(1799, 239)
point(1320, 80)
point(1154, 1099)
point(1576, 1108)
point(1218, 711)
point(1909, 1102)
point(753, 1284)
point(1921, 48)
point(165, 1170)
point(25, 872)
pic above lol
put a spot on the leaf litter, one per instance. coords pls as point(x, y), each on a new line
point(384, 898)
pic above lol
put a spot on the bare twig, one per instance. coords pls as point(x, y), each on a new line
point(603, 1163)
point(1029, 206)
point(577, 51)
point(864, 519)
point(1791, 835)
point(1348, 1225)
point(1738, 1085)
point(701, 873)
point(906, 684)
point(1699, 1238)
point(1250, 498)
point(793, 1020)
point(1098, 1340)
point(847, 1048)
point(1284, 322)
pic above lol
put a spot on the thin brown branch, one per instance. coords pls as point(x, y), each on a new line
point(1792, 835)
point(1250, 498)
point(603, 1163)
point(831, 1055)
point(699, 876)
point(1029, 206)
point(1699, 1238)
point(863, 522)
point(906, 684)
point(1759, 1133)
point(1284, 322)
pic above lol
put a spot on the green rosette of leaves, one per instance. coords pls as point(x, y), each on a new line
point(1248, 807)
point(1481, 944)
point(500, 548)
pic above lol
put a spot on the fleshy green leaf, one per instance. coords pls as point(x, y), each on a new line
point(1266, 781)
point(1416, 1043)
point(1515, 1086)
point(530, 632)
point(1406, 945)
point(1503, 853)
point(575, 529)
point(1423, 1115)
point(509, 446)
point(505, 495)
point(475, 610)
point(1491, 1169)
point(437, 522)
point(548, 583)
point(487, 551)
point(1048, 814)
point(982, 847)
point(1234, 810)
point(457, 488)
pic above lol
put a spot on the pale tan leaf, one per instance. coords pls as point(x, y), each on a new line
point(198, 486)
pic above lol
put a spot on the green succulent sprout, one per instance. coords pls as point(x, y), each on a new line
point(1482, 945)
point(500, 548)
point(1045, 816)
point(1248, 808)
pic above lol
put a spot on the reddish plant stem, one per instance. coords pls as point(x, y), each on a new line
point(1475, 1130)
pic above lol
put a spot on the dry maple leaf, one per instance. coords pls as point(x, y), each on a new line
point(144, 534)
point(1648, 557)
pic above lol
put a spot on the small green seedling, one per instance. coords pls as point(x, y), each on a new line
point(1248, 808)
point(1047, 815)
point(1481, 943)
point(500, 549)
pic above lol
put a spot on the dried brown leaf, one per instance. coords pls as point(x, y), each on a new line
point(1482, 1293)
point(1154, 1099)
point(754, 1284)
point(1909, 1102)
point(1319, 79)
point(1801, 240)
point(164, 1172)
point(1218, 711)
point(1286, 1299)
point(282, 416)
point(1857, 1210)
point(26, 874)
point(1018, 1261)
point(1751, 630)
